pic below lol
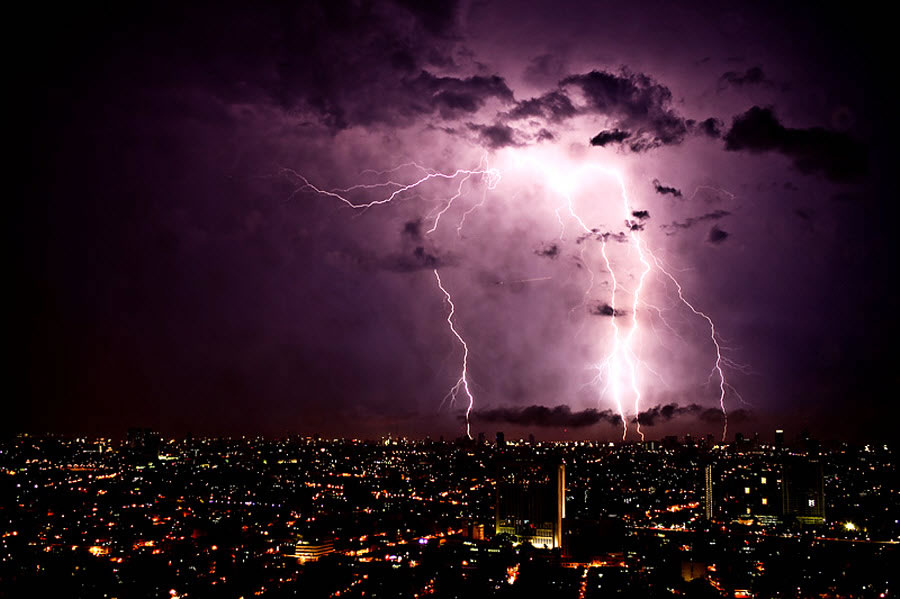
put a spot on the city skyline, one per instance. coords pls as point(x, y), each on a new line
point(308, 517)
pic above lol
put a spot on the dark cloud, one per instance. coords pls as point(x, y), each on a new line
point(495, 136)
point(413, 229)
point(690, 222)
point(332, 58)
point(752, 76)
point(328, 64)
point(641, 214)
point(436, 17)
point(640, 104)
point(604, 309)
point(836, 155)
point(551, 251)
point(715, 416)
point(611, 136)
point(543, 416)
point(664, 413)
point(553, 106)
point(563, 416)
point(664, 190)
point(620, 236)
point(544, 69)
point(418, 259)
point(453, 97)
point(711, 127)
point(717, 235)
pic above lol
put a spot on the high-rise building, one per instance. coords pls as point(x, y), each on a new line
point(804, 490)
point(531, 502)
point(501, 439)
point(792, 491)
point(779, 438)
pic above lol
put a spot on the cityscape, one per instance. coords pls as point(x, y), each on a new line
point(462, 299)
point(310, 517)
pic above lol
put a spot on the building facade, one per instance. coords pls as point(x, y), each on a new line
point(531, 503)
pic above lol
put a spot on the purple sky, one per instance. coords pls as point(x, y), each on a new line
point(170, 272)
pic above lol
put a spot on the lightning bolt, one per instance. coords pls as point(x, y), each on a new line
point(620, 369)
point(463, 382)
point(490, 175)
point(636, 300)
point(717, 367)
point(621, 363)
point(612, 361)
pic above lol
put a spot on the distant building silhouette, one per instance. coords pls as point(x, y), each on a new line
point(143, 444)
point(803, 496)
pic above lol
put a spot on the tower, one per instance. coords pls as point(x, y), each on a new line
point(531, 502)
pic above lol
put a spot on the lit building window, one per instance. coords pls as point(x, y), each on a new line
point(812, 503)
point(746, 490)
point(765, 501)
point(763, 480)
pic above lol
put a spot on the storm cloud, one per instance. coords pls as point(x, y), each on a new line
point(159, 231)
point(665, 189)
point(547, 417)
point(687, 223)
point(672, 411)
point(550, 250)
point(553, 106)
point(607, 137)
point(717, 235)
point(836, 155)
point(640, 104)
point(752, 76)
point(604, 309)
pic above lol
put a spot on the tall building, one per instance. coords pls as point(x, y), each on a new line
point(792, 491)
point(779, 438)
point(708, 496)
point(531, 502)
point(804, 491)
point(747, 492)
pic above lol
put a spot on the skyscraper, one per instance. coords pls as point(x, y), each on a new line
point(531, 502)
point(708, 503)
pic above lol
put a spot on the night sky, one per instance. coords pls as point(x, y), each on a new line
point(170, 269)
